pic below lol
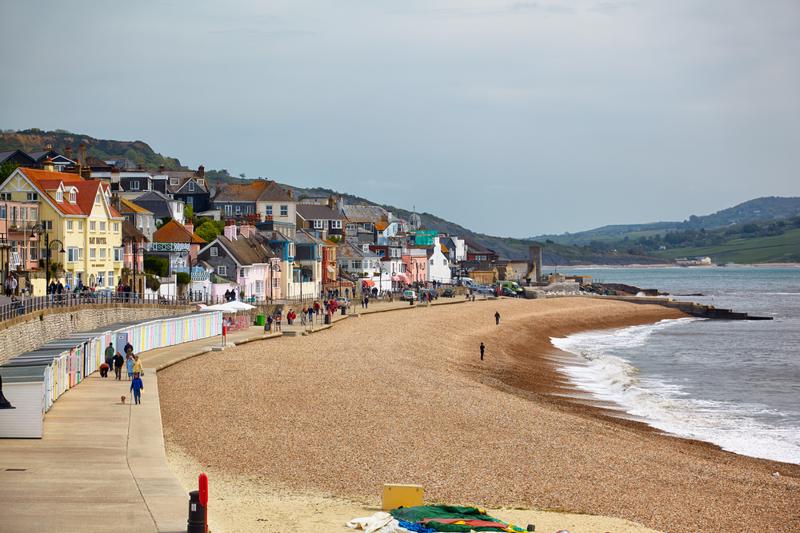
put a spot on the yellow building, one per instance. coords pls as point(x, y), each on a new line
point(77, 214)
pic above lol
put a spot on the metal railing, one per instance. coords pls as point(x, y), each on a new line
point(27, 305)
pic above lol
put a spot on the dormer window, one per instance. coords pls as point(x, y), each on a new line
point(59, 195)
point(97, 199)
point(191, 186)
point(174, 181)
point(73, 196)
point(201, 182)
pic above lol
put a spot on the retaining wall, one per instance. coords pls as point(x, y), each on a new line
point(30, 331)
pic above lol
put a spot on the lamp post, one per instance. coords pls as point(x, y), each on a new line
point(47, 250)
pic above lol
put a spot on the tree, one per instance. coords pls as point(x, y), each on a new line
point(183, 278)
point(6, 169)
point(155, 264)
point(210, 229)
point(188, 212)
point(152, 282)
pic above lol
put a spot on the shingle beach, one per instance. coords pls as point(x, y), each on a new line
point(403, 397)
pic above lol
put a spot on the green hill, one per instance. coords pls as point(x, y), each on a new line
point(784, 248)
point(34, 140)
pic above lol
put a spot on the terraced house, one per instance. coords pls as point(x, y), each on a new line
point(260, 200)
point(77, 219)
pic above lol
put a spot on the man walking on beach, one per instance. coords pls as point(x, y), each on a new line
point(497, 317)
point(110, 355)
point(483, 349)
point(118, 362)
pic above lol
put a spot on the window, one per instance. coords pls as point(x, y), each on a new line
point(174, 181)
point(284, 210)
point(259, 286)
point(3, 212)
point(59, 195)
point(352, 228)
point(32, 197)
point(222, 270)
point(118, 254)
point(69, 225)
point(97, 199)
point(80, 225)
point(72, 255)
point(101, 279)
point(34, 254)
point(34, 213)
point(238, 210)
point(103, 226)
point(241, 273)
point(319, 224)
point(92, 225)
point(367, 226)
point(213, 251)
point(134, 185)
point(47, 224)
point(228, 210)
point(191, 186)
point(110, 278)
point(73, 196)
point(275, 282)
point(5, 196)
point(102, 253)
point(116, 227)
point(336, 224)
point(269, 210)
point(92, 253)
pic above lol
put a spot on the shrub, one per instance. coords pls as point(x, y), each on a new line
point(183, 278)
point(156, 264)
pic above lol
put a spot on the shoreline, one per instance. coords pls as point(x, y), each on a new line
point(579, 457)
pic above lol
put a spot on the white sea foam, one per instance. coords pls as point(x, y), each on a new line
point(664, 404)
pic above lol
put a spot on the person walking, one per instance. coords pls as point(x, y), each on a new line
point(110, 355)
point(137, 366)
point(483, 349)
point(129, 365)
point(137, 386)
point(118, 362)
point(497, 317)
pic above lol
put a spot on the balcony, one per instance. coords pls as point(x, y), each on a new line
point(166, 247)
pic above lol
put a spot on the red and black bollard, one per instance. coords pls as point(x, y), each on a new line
point(198, 507)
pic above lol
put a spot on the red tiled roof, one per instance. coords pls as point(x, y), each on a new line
point(45, 180)
point(172, 231)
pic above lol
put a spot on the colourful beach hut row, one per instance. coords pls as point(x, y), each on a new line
point(34, 380)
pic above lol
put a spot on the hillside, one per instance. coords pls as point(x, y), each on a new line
point(34, 140)
point(783, 248)
point(763, 209)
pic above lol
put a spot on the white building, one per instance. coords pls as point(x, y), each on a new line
point(438, 264)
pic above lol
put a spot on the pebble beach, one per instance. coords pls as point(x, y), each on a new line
point(402, 397)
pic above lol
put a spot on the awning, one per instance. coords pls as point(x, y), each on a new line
point(367, 283)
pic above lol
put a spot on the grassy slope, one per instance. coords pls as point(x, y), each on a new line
point(780, 248)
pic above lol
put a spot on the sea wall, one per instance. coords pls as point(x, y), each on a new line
point(30, 331)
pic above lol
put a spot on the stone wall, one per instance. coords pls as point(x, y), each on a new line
point(28, 332)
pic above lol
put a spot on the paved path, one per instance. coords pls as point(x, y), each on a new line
point(101, 465)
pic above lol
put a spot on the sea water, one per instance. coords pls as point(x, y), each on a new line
point(732, 383)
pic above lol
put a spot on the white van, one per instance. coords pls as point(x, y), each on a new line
point(467, 282)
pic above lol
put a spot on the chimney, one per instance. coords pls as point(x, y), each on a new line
point(535, 263)
point(160, 169)
point(201, 171)
point(68, 152)
point(48, 164)
point(230, 231)
point(246, 230)
point(189, 225)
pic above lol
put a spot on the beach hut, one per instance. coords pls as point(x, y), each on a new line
point(235, 313)
point(24, 388)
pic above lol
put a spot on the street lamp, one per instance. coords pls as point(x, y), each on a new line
point(47, 250)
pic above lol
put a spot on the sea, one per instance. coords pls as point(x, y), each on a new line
point(732, 383)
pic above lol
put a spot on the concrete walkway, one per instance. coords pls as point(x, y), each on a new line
point(100, 467)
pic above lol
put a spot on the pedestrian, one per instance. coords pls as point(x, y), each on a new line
point(366, 302)
point(137, 366)
point(497, 317)
point(137, 386)
point(303, 314)
point(129, 365)
point(118, 362)
point(268, 325)
point(483, 349)
point(104, 370)
point(128, 348)
point(110, 355)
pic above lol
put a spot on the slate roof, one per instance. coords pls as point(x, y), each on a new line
point(318, 212)
point(156, 202)
point(246, 250)
point(364, 213)
point(175, 232)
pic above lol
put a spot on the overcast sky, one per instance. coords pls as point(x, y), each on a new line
point(510, 117)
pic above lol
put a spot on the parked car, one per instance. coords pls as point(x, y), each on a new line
point(510, 287)
point(341, 301)
point(409, 294)
point(448, 292)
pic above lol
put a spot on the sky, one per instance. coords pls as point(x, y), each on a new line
point(513, 118)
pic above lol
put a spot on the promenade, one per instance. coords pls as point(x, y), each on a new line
point(101, 464)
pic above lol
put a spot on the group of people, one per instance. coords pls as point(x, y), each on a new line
point(133, 366)
point(307, 315)
point(230, 295)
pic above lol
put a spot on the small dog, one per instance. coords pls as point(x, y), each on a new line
point(122, 399)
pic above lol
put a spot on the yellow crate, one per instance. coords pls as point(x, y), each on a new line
point(395, 496)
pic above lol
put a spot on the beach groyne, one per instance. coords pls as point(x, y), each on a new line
point(690, 308)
